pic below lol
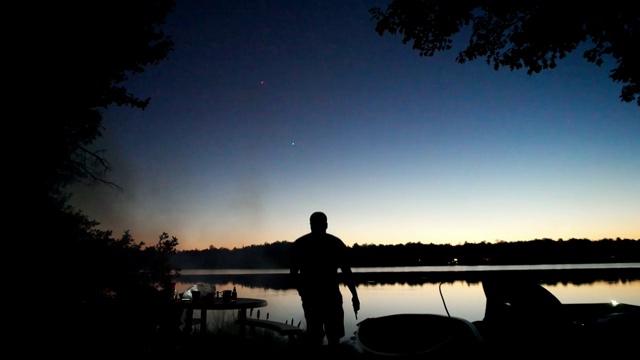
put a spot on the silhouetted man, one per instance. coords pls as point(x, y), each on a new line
point(315, 260)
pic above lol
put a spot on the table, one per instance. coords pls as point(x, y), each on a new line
point(204, 304)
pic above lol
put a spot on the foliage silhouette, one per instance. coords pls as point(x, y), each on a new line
point(98, 46)
point(538, 251)
point(80, 56)
point(531, 35)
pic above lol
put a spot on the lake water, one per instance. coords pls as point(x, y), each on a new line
point(458, 298)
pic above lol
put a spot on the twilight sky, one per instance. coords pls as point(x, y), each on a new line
point(267, 111)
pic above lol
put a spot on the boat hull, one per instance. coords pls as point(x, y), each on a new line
point(521, 318)
point(411, 335)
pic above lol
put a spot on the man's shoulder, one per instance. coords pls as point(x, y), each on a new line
point(324, 237)
point(333, 237)
point(303, 241)
point(302, 238)
point(336, 241)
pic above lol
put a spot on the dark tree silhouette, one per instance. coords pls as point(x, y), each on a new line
point(527, 34)
point(81, 56)
point(86, 51)
point(538, 251)
point(73, 61)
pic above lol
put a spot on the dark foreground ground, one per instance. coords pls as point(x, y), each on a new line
point(261, 347)
point(120, 343)
point(218, 345)
point(273, 347)
point(266, 344)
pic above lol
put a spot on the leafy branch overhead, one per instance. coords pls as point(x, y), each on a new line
point(531, 35)
point(95, 47)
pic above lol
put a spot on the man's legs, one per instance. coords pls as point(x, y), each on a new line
point(334, 325)
point(315, 328)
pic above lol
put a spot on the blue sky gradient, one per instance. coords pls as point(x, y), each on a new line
point(268, 111)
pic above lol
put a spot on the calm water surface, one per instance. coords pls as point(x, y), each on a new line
point(456, 268)
point(458, 298)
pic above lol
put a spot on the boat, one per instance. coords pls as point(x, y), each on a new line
point(413, 335)
point(521, 318)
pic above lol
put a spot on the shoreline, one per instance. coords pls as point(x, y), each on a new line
point(281, 281)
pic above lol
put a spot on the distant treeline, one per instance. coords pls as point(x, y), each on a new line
point(538, 251)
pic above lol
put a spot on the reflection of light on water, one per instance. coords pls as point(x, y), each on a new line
point(625, 292)
point(463, 299)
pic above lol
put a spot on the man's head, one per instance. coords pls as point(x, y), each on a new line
point(318, 222)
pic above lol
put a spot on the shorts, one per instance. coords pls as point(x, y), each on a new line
point(324, 318)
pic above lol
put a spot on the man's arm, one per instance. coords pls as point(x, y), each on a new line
point(348, 278)
point(345, 267)
point(294, 270)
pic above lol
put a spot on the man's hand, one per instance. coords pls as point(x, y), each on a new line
point(356, 305)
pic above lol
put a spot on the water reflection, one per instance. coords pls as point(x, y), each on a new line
point(546, 274)
point(385, 293)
